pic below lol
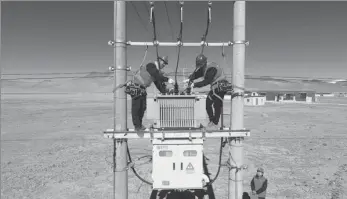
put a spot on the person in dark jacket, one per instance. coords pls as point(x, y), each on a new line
point(214, 76)
point(259, 184)
point(143, 79)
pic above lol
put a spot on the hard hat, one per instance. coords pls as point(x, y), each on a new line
point(165, 59)
point(200, 60)
point(260, 170)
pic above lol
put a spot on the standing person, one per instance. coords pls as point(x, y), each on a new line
point(259, 184)
point(141, 81)
point(214, 75)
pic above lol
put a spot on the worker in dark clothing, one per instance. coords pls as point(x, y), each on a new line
point(259, 184)
point(137, 88)
point(214, 76)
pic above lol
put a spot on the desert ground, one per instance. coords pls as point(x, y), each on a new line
point(52, 146)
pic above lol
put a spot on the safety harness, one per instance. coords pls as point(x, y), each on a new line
point(135, 90)
point(222, 86)
point(219, 87)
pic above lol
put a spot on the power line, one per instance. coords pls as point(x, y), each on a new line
point(139, 16)
point(168, 18)
point(144, 3)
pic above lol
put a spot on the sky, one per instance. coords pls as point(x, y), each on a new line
point(294, 39)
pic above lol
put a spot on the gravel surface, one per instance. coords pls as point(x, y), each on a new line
point(52, 147)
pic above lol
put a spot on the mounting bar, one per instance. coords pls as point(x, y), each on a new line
point(131, 43)
point(131, 134)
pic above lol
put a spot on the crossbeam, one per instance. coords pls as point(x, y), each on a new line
point(131, 134)
point(187, 44)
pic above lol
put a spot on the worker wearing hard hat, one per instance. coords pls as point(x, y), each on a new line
point(143, 79)
point(259, 184)
point(213, 75)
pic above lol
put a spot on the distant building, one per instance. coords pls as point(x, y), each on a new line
point(340, 94)
point(289, 96)
point(325, 95)
point(254, 99)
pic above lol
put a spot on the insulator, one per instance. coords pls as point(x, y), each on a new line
point(152, 10)
point(209, 15)
point(111, 43)
point(181, 14)
point(111, 68)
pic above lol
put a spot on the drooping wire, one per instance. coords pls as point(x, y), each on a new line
point(203, 39)
point(114, 167)
point(134, 170)
point(145, 26)
point(179, 39)
point(225, 62)
point(141, 65)
point(144, 56)
point(219, 162)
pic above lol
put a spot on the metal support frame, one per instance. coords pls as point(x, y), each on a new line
point(175, 134)
point(187, 44)
point(235, 180)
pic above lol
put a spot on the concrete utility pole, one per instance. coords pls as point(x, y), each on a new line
point(0, 78)
point(120, 100)
point(235, 144)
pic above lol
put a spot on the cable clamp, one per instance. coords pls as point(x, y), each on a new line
point(112, 69)
point(242, 167)
point(113, 43)
point(241, 42)
point(156, 43)
point(179, 42)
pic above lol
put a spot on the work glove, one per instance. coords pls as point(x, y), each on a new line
point(171, 81)
point(189, 90)
point(186, 81)
point(170, 90)
point(128, 83)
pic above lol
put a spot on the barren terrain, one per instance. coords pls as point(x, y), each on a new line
point(52, 147)
point(103, 82)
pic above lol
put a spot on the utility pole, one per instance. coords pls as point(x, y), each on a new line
point(235, 180)
point(120, 100)
point(0, 77)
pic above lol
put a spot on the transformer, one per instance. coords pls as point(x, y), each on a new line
point(177, 163)
point(177, 111)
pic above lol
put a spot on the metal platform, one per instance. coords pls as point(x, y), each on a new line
point(163, 134)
